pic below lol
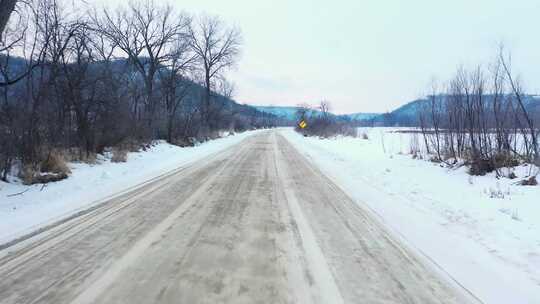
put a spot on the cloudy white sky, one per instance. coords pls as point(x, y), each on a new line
point(368, 55)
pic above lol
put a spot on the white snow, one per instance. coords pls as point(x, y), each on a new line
point(90, 184)
point(482, 232)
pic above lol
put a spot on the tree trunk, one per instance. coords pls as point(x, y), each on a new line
point(6, 7)
point(207, 100)
point(170, 129)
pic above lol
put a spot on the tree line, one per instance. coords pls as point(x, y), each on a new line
point(80, 81)
point(482, 116)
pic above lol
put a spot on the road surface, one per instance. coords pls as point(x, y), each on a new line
point(256, 223)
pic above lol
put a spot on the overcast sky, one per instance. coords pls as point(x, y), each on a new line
point(369, 55)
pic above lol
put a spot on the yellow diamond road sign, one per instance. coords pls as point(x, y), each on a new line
point(302, 124)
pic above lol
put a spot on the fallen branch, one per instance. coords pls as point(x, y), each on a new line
point(20, 193)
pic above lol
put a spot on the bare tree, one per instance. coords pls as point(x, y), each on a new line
point(436, 109)
point(145, 33)
point(517, 91)
point(15, 36)
point(217, 48)
point(324, 107)
point(175, 83)
point(302, 112)
point(226, 89)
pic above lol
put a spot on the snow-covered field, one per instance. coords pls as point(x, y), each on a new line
point(89, 184)
point(484, 233)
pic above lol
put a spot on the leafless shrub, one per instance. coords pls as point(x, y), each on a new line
point(27, 174)
point(184, 142)
point(51, 169)
point(79, 155)
point(54, 163)
point(119, 156)
point(505, 160)
point(480, 166)
point(347, 130)
point(531, 181)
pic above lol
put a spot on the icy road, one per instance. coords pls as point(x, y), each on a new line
point(256, 223)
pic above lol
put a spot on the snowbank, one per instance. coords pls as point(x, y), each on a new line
point(88, 184)
point(483, 232)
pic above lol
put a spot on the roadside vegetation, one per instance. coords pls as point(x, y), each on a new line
point(321, 122)
point(480, 119)
point(75, 82)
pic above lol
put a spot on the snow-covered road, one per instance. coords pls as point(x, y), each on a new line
point(256, 223)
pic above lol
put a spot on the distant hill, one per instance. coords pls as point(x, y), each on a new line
point(405, 115)
point(361, 116)
point(289, 113)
